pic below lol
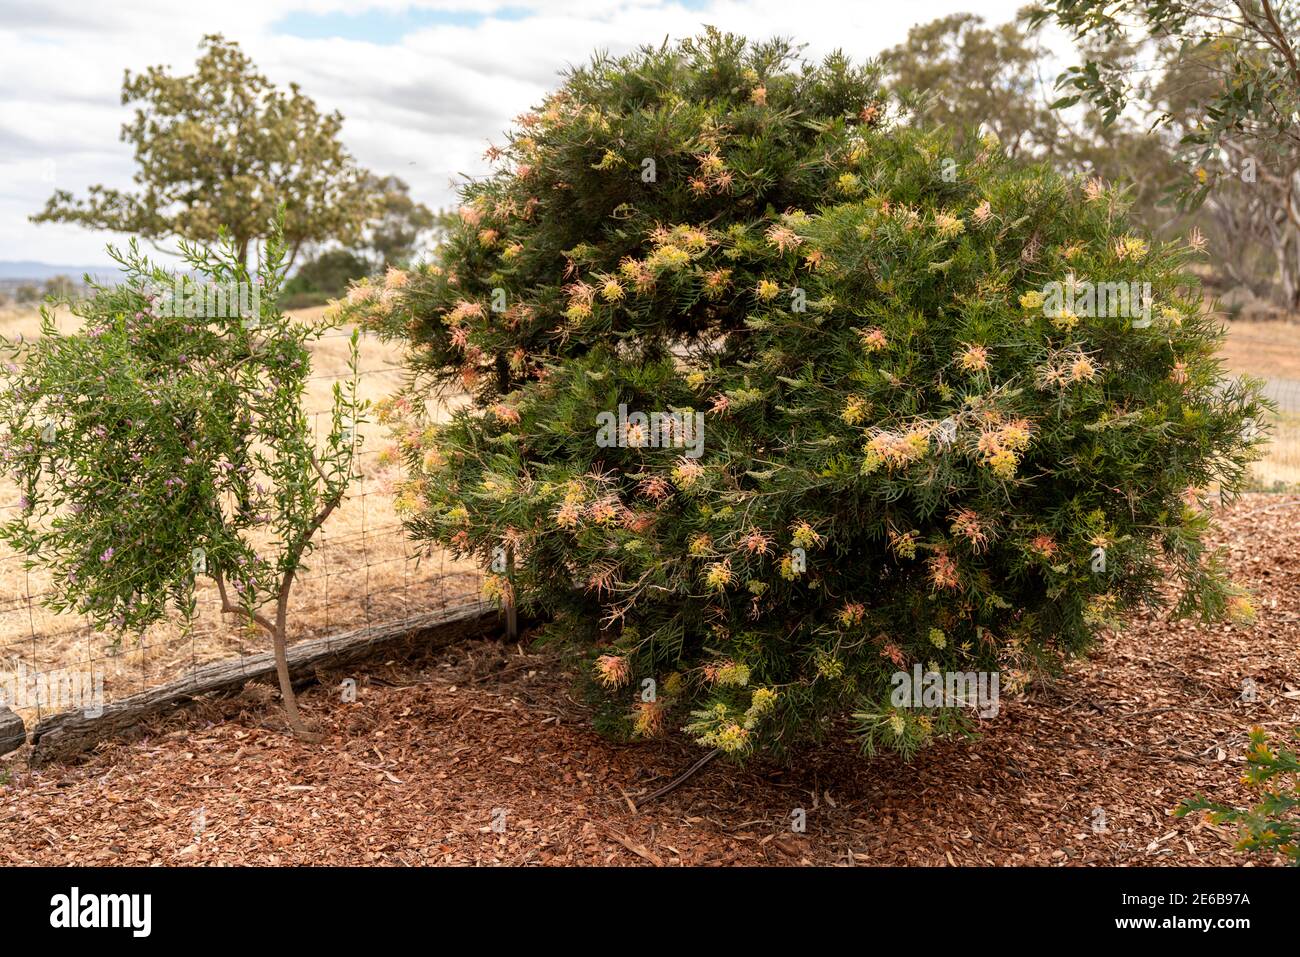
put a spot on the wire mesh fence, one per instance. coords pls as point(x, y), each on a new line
point(1285, 392)
point(364, 573)
point(1279, 468)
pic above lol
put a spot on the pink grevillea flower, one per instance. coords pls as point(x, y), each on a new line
point(612, 671)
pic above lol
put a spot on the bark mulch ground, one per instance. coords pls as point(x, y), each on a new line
point(435, 752)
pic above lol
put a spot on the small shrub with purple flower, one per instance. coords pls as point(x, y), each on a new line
point(164, 440)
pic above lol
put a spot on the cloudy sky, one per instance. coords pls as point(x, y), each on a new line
point(424, 85)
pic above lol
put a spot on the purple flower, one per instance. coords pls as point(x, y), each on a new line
point(107, 556)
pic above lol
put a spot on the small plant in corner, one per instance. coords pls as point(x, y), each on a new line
point(1273, 823)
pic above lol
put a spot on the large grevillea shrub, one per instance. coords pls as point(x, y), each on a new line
point(922, 445)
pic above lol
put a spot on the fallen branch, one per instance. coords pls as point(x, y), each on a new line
point(642, 852)
point(678, 781)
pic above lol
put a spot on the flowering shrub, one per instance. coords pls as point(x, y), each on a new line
point(1274, 823)
point(160, 443)
point(923, 447)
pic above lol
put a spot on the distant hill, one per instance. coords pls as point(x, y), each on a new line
point(13, 270)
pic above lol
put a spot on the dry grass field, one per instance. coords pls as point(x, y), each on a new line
point(1271, 350)
point(365, 571)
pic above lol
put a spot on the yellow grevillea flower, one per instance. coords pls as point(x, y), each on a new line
point(761, 702)
point(649, 719)
point(805, 536)
point(1131, 247)
point(687, 472)
point(1065, 320)
point(948, 226)
point(732, 738)
point(873, 340)
point(732, 674)
point(668, 258)
point(974, 358)
point(718, 575)
point(1241, 609)
point(855, 410)
point(700, 546)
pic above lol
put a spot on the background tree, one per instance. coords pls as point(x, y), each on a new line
point(398, 223)
point(1248, 211)
point(1224, 75)
point(328, 273)
point(397, 233)
point(60, 286)
point(224, 147)
point(961, 75)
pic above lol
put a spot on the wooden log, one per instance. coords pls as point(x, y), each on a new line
point(65, 735)
point(13, 734)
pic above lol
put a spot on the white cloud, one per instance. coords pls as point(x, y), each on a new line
point(423, 107)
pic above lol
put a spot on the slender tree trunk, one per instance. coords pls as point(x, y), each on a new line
point(1293, 303)
point(281, 646)
point(286, 687)
point(277, 630)
point(282, 614)
point(1282, 252)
